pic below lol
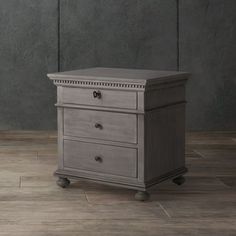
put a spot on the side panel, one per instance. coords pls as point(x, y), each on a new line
point(60, 128)
point(60, 118)
point(165, 95)
point(164, 141)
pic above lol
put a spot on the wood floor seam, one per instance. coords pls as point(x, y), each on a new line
point(198, 153)
point(32, 204)
point(20, 182)
point(165, 211)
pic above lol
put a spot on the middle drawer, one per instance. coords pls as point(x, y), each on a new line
point(102, 125)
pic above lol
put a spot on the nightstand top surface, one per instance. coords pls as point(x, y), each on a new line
point(120, 75)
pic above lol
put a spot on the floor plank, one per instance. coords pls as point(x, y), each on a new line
point(122, 227)
point(32, 204)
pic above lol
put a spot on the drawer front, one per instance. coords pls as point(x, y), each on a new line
point(103, 98)
point(100, 158)
point(102, 125)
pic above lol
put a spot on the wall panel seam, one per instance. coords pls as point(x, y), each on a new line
point(59, 35)
point(178, 43)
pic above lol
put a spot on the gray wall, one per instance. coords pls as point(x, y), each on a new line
point(28, 50)
point(195, 36)
point(118, 33)
point(208, 51)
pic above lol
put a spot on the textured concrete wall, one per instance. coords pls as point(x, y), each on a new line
point(28, 50)
point(195, 36)
point(133, 33)
point(208, 51)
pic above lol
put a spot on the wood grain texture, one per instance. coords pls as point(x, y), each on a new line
point(121, 75)
point(109, 98)
point(157, 127)
point(115, 126)
point(164, 142)
point(31, 203)
point(110, 159)
point(165, 96)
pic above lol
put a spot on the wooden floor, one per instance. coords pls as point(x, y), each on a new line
point(32, 204)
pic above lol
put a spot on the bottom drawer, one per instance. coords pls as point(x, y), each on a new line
point(100, 158)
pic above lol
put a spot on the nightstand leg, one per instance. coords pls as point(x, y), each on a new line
point(142, 196)
point(179, 180)
point(63, 182)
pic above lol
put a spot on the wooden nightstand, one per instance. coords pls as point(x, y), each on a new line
point(123, 127)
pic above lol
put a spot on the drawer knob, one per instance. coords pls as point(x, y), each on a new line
point(97, 94)
point(98, 126)
point(98, 159)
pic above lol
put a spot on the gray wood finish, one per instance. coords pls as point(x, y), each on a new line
point(134, 148)
point(63, 182)
point(102, 178)
point(165, 95)
point(119, 99)
point(100, 158)
point(164, 141)
point(106, 75)
point(113, 126)
point(60, 120)
point(142, 196)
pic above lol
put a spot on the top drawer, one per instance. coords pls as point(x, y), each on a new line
point(99, 97)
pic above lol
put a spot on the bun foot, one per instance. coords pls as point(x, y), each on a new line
point(142, 196)
point(63, 182)
point(179, 180)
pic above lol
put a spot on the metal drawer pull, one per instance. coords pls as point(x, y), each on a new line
point(98, 126)
point(98, 159)
point(97, 94)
